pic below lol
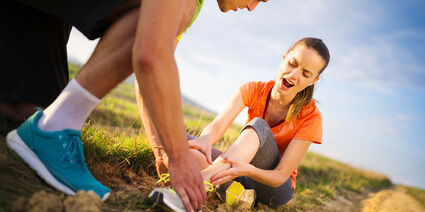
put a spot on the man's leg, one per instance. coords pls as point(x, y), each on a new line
point(17, 111)
point(109, 64)
point(57, 153)
point(33, 69)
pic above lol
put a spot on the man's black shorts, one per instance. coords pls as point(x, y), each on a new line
point(86, 15)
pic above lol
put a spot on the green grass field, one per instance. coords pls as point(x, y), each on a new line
point(119, 155)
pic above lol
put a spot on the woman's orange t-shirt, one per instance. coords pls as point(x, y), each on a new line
point(307, 126)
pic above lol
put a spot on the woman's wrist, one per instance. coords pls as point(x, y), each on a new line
point(251, 171)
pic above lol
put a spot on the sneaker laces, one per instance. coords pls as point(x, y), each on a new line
point(74, 150)
point(165, 177)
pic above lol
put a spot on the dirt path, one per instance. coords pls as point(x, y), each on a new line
point(395, 199)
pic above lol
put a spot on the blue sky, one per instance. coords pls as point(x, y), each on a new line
point(372, 96)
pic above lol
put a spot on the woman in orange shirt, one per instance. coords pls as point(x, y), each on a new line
point(283, 121)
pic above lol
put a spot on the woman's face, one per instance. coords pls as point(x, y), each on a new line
point(299, 68)
point(226, 5)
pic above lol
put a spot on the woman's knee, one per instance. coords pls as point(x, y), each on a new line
point(280, 202)
point(263, 131)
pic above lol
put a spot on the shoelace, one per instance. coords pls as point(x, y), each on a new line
point(166, 178)
point(74, 150)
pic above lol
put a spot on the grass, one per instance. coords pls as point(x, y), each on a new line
point(416, 193)
point(118, 153)
point(321, 179)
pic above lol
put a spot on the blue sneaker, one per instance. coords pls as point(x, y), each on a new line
point(57, 157)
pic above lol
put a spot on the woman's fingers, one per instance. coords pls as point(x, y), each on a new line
point(223, 174)
point(209, 159)
point(229, 160)
point(194, 146)
point(221, 180)
point(205, 150)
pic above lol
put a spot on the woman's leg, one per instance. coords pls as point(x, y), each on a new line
point(244, 148)
point(256, 144)
point(267, 157)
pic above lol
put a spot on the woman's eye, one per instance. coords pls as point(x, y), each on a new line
point(306, 74)
point(292, 64)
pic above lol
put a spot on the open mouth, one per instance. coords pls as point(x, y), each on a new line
point(287, 83)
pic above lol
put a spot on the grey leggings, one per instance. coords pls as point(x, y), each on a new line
point(267, 158)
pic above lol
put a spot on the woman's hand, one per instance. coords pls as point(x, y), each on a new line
point(237, 168)
point(203, 143)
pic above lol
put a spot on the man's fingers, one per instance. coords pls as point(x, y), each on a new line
point(193, 198)
point(203, 193)
point(185, 199)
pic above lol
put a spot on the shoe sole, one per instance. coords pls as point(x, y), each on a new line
point(15, 143)
point(158, 200)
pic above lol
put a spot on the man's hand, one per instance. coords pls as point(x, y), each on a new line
point(187, 181)
point(203, 143)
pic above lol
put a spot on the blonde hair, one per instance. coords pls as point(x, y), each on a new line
point(304, 97)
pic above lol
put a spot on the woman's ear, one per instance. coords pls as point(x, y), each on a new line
point(315, 81)
point(284, 55)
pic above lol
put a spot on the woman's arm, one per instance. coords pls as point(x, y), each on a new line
point(215, 130)
point(274, 178)
point(225, 118)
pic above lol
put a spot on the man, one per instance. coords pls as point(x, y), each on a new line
point(135, 38)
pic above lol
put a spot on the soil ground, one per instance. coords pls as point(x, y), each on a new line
point(394, 199)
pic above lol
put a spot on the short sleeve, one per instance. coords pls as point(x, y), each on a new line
point(310, 128)
point(248, 93)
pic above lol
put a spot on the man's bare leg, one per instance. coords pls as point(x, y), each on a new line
point(111, 61)
point(17, 111)
point(109, 64)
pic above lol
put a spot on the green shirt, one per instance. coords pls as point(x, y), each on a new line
point(199, 4)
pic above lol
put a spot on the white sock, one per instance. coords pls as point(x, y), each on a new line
point(70, 110)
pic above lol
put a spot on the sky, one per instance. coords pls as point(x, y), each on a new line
point(371, 96)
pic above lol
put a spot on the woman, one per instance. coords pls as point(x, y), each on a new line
point(283, 120)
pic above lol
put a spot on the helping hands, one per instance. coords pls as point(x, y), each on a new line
point(203, 143)
point(188, 185)
point(237, 168)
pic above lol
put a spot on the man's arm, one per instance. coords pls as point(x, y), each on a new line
point(156, 72)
